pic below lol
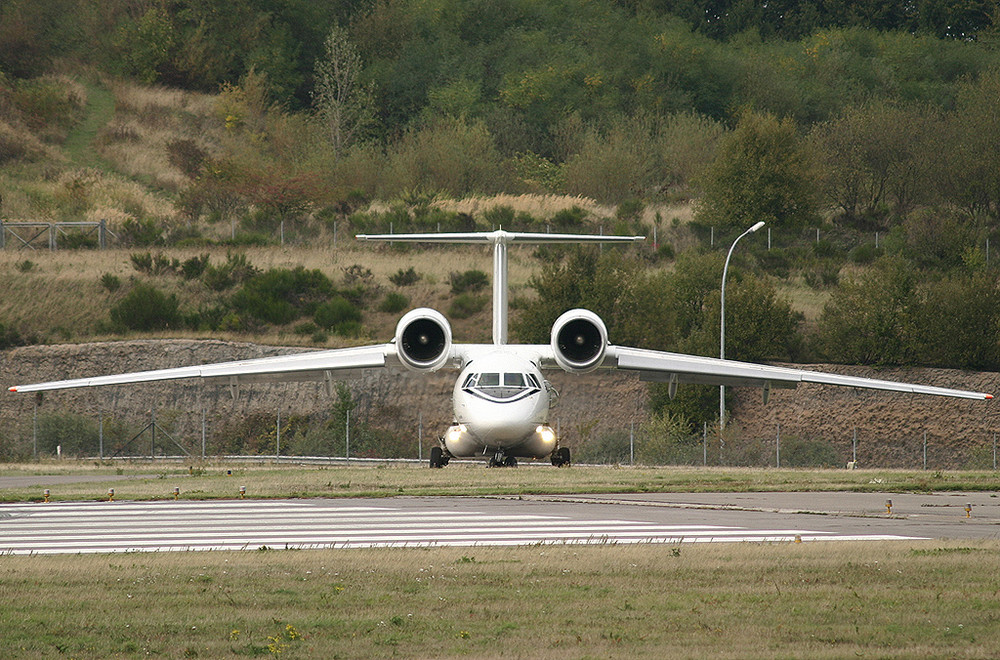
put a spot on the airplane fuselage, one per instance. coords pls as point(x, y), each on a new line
point(501, 402)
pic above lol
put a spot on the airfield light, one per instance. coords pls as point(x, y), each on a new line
point(888, 506)
point(47, 492)
point(243, 492)
point(968, 509)
point(177, 492)
point(798, 538)
point(111, 494)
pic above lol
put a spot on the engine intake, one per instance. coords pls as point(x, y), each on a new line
point(579, 339)
point(423, 340)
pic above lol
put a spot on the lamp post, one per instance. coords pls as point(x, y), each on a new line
point(722, 325)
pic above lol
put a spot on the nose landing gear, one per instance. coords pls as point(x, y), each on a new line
point(500, 459)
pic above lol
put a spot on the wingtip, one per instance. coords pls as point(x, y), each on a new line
point(989, 397)
point(12, 389)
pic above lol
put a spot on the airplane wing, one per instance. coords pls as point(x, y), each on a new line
point(673, 368)
point(311, 365)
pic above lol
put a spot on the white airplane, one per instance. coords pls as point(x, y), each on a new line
point(501, 399)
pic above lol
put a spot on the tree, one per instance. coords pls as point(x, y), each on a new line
point(344, 104)
point(869, 320)
point(879, 160)
point(762, 171)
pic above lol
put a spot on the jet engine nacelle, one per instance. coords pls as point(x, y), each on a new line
point(423, 340)
point(579, 339)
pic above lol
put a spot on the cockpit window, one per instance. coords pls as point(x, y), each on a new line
point(501, 386)
point(513, 380)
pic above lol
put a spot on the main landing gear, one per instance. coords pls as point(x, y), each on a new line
point(560, 457)
point(438, 458)
point(500, 459)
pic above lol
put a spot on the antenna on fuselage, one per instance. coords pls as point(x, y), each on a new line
point(500, 240)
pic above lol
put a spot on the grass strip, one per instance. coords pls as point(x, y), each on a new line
point(815, 600)
point(145, 480)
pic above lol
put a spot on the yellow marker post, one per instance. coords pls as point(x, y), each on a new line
point(111, 494)
point(888, 507)
point(968, 510)
point(177, 492)
point(46, 495)
point(243, 492)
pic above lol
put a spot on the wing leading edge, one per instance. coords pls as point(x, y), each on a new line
point(663, 367)
point(312, 365)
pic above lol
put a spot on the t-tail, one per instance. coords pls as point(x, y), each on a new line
point(500, 239)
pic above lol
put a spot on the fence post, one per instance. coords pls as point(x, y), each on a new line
point(704, 443)
point(420, 436)
point(277, 440)
point(854, 446)
point(777, 448)
point(347, 437)
point(925, 450)
point(631, 443)
point(102, 234)
point(3, 236)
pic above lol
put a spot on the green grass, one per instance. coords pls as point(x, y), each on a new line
point(816, 600)
point(266, 480)
point(79, 143)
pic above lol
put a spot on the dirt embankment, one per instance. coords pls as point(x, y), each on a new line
point(889, 426)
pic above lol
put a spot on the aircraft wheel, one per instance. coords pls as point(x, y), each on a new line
point(436, 457)
point(510, 461)
point(563, 456)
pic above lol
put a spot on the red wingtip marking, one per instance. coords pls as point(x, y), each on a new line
point(989, 396)
point(13, 389)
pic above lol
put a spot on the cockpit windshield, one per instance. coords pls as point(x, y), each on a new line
point(495, 385)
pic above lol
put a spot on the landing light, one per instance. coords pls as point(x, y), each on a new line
point(546, 433)
point(455, 432)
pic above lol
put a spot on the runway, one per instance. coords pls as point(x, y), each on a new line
point(114, 527)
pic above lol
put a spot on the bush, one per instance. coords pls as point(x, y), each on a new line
point(405, 277)
point(338, 315)
point(280, 295)
point(470, 280)
point(146, 308)
point(393, 303)
point(465, 305)
point(797, 452)
point(110, 282)
point(571, 217)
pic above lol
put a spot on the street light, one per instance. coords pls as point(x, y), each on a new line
point(722, 325)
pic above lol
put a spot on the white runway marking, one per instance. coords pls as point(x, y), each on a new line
point(97, 527)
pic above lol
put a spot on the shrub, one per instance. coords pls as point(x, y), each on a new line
point(797, 452)
point(186, 155)
point(338, 315)
point(499, 216)
point(465, 305)
point(405, 277)
point(393, 303)
point(110, 282)
point(141, 233)
point(280, 295)
point(146, 308)
point(194, 267)
point(571, 217)
point(25, 266)
point(470, 280)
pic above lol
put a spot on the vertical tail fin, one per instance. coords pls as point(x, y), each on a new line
point(500, 240)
